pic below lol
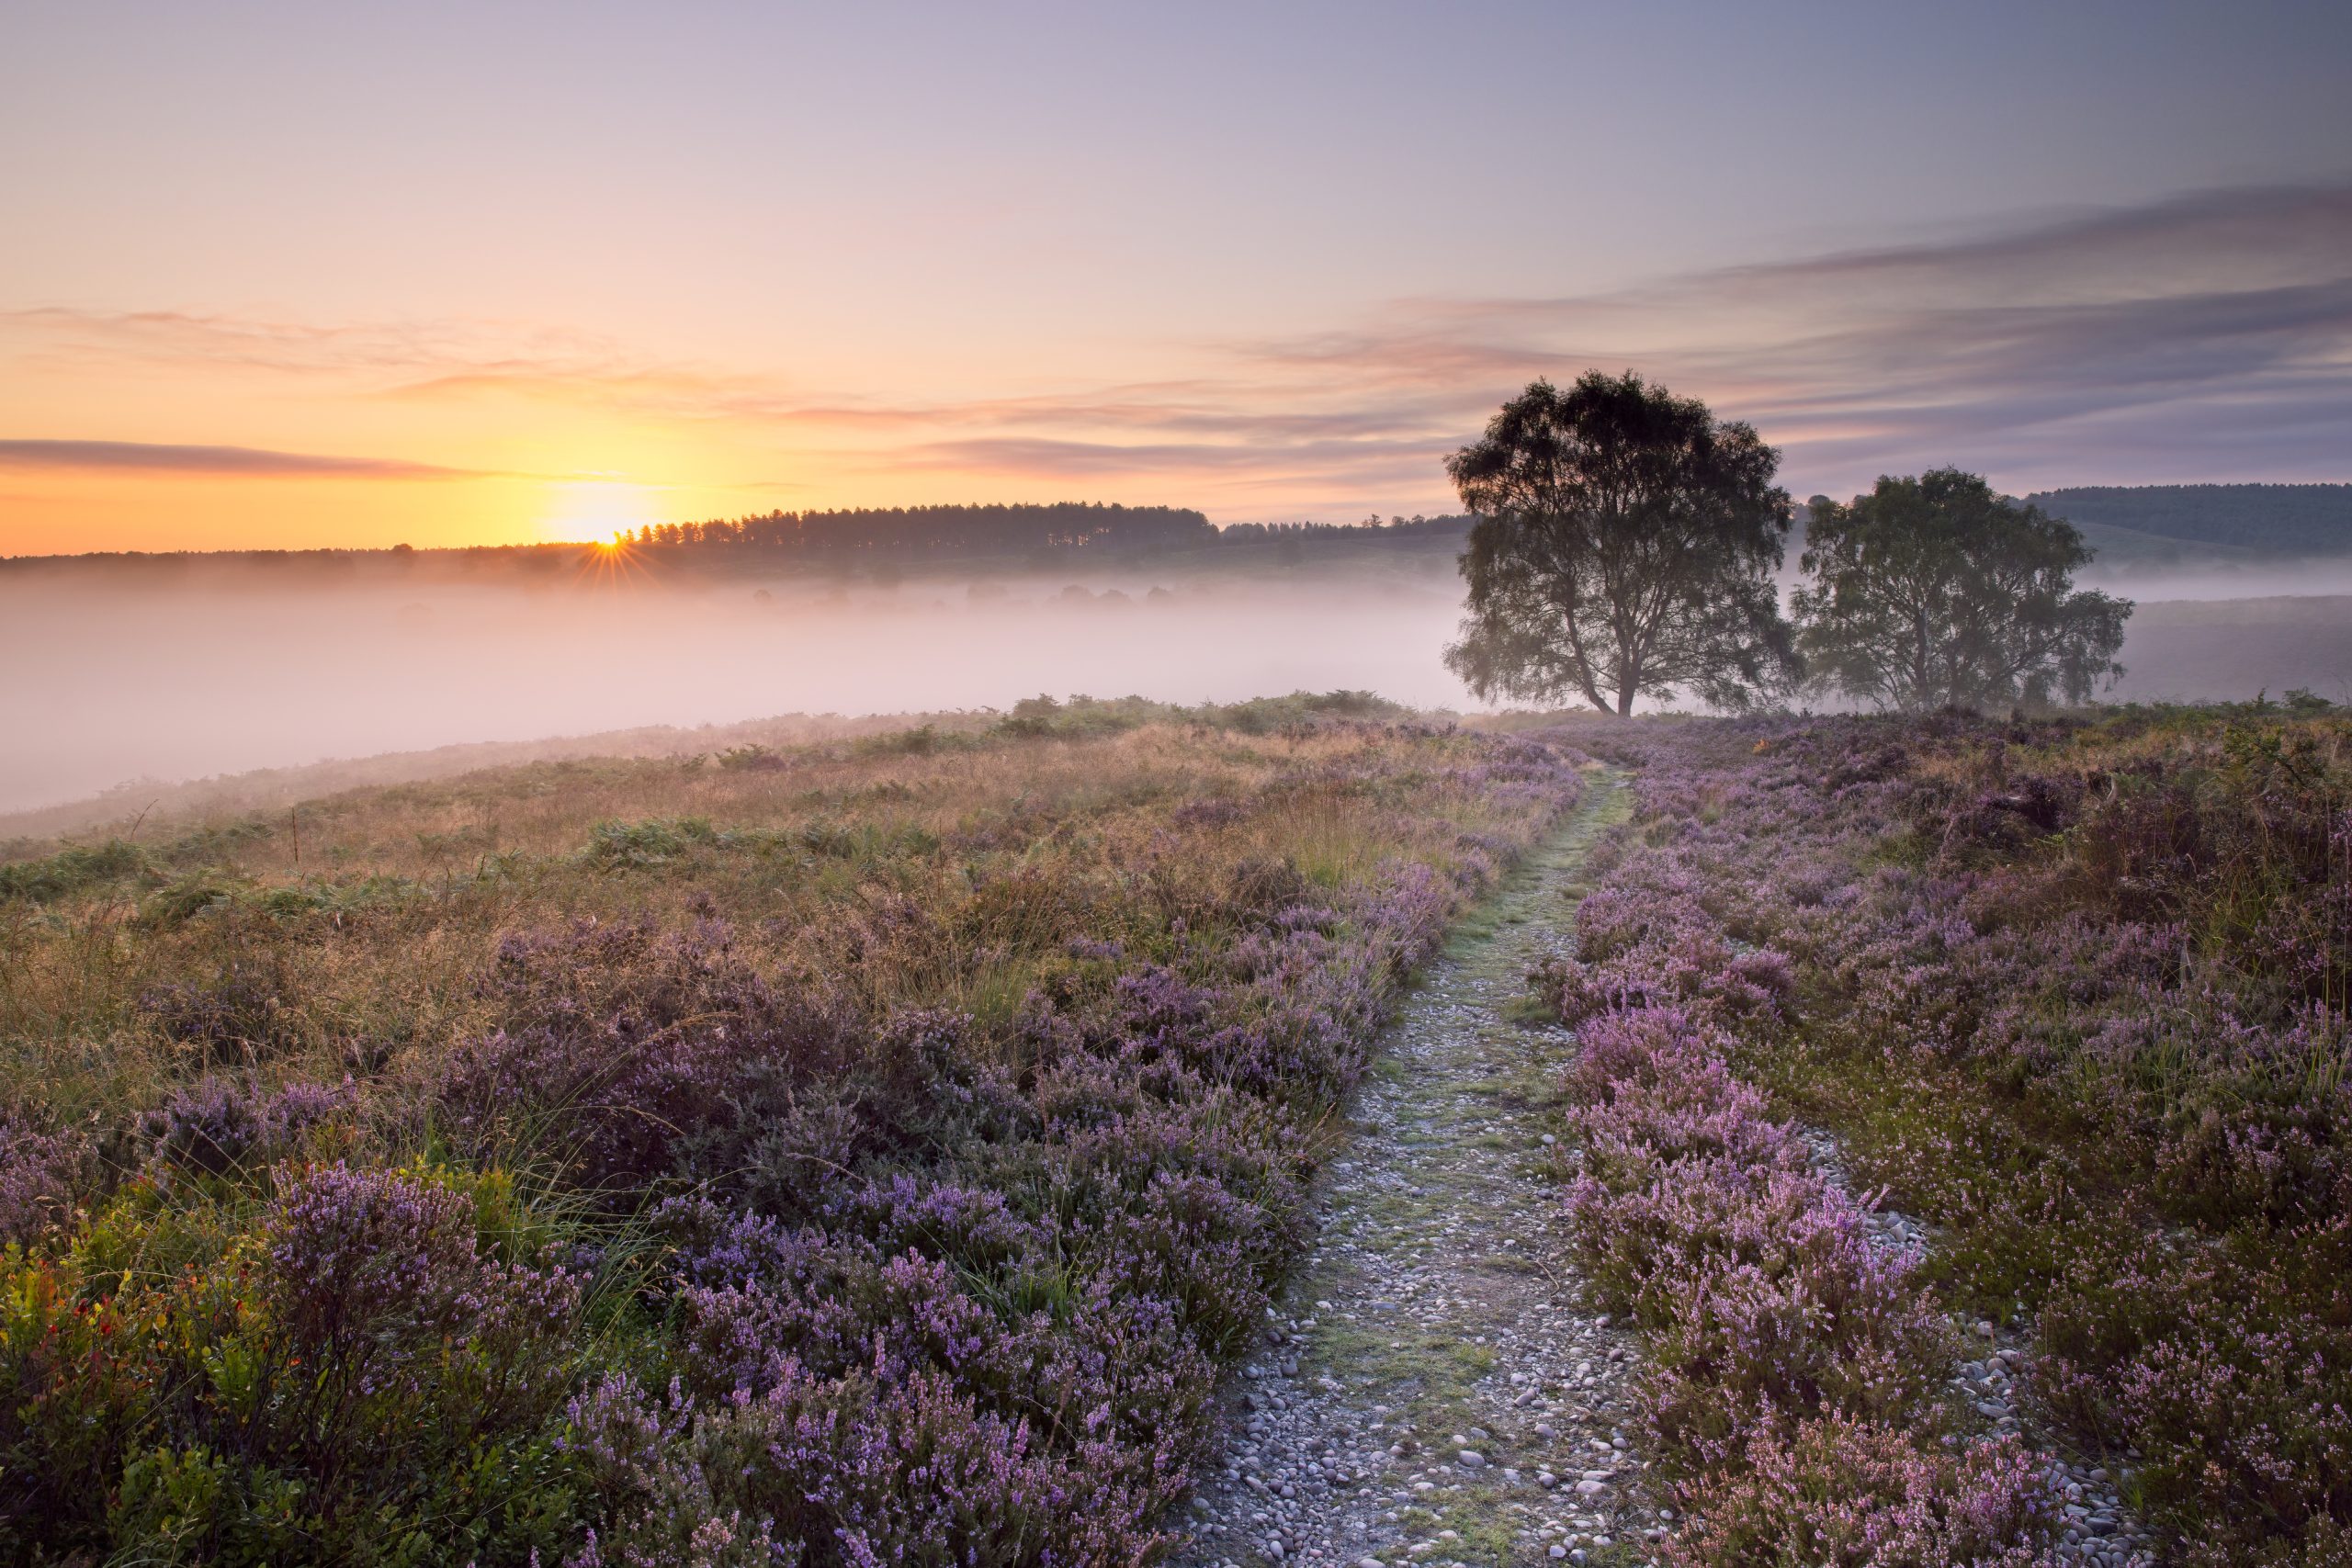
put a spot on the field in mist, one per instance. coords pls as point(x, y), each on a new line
point(126, 676)
point(117, 684)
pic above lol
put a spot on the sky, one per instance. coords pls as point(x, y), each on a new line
point(289, 275)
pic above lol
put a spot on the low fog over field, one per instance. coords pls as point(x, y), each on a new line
point(152, 670)
point(231, 671)
point(2201, 650)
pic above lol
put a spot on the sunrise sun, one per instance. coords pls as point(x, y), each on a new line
point(596, 511)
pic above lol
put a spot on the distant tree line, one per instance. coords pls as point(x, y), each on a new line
point(2316, 518)
point(546, 560)
point(931, 531)
point(1626, 544)
point(1416, 527)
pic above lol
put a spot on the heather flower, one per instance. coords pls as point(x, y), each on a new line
point(373, 1268)
point(240, 1018)
point(40, 1175)
point(1858, 1494)
point(218, 1125)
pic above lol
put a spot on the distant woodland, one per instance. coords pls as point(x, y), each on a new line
point(956, 532)
point(2286, 519)
point(936, 531)
point(1039, 536)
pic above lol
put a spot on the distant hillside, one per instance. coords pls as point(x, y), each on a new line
point(2280, 519)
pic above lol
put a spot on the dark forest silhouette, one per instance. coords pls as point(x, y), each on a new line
point(937, 532)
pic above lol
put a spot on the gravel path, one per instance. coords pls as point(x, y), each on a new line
point(1429, 1391)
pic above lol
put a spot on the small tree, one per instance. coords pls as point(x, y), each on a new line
point(1625, 543)
point(1935, 591)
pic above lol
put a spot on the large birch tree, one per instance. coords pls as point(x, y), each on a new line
point(1624, 546)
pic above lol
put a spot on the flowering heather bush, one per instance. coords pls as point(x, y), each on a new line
point(39, 1174)
point(1861, 1495)
point(1685, 959)
point(2226, 1369)
point(382, 1291)
point(39, 1179)
point(1834, 1325)
point(1643, 1243)
point(922, 1417)
point(2078, 990)
point(619, 1044)
point(872, 1160)
point(1778, 1326)
point(856, 1471)
point(220, 1125)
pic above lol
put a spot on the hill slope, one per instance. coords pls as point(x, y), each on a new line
point(2286, 519)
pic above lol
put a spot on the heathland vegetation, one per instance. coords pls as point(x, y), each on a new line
point(2293, 520)
point(800, 1153)
point(863, 1153)
point(2072, 992)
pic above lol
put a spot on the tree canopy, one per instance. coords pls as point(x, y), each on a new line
point(1935, 591)
point(1625, 544)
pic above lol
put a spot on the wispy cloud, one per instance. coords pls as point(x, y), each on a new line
point(394, 352)
point(2206, 336)
point(1333, 467)
point(246, 462)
